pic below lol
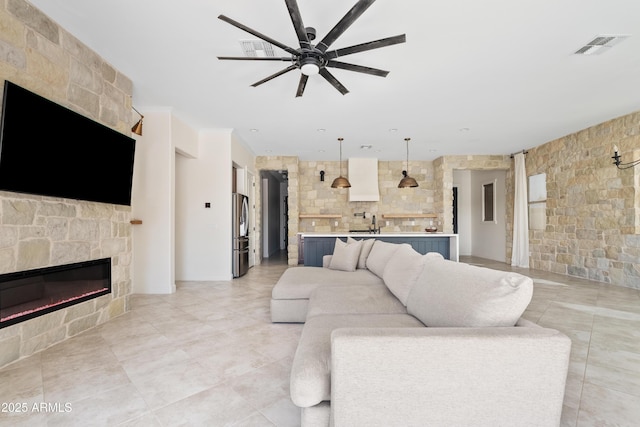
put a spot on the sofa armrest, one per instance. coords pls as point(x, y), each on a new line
point(326, 260)
point(448, 376)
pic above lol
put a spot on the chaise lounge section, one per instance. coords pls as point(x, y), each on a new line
point(418, 340)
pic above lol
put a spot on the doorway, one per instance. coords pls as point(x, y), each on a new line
point(455, 210)
point(480, 234)
point(274, 213)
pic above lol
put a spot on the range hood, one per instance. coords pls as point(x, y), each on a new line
point(363, 176)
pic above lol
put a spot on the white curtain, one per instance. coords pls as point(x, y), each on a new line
point(520, 251)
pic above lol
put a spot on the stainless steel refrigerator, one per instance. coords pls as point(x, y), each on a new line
point(240, 242)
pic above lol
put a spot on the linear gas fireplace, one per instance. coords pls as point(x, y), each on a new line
point(28, 294)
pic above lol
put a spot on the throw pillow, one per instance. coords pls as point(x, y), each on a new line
point(345, 255)
point(452, 294)
point(380, 254)
point(403, 269)
point(367, 244)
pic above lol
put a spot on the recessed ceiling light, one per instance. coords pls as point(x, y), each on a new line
point(464, 129)
point(321, 130)
point(393, 130)
point(253, 130)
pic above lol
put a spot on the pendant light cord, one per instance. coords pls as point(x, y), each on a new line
point(407, 141)
point(340, 139)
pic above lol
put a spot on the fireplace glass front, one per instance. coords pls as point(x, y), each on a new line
point(31, 293)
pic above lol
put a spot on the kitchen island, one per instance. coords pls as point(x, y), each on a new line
point(313, 246)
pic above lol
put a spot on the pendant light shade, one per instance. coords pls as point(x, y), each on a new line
point(407, 181)
point(341, 181)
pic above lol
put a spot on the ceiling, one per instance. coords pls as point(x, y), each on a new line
point(474, 77)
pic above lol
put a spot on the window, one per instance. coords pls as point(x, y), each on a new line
point(538, 201)
point(489, 202)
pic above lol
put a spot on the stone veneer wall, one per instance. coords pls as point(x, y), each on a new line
point(35, 231)
point(593, 209)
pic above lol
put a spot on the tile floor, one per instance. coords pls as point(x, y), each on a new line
point(208, 355)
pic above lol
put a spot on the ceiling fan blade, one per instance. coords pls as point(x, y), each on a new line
point(334, 82)
point(358, 68)
point(273, 76)
point(346, 21)
point(366, 46)
point(302, 84)
point(258, 34)
point(255, 58)
point(296, 19)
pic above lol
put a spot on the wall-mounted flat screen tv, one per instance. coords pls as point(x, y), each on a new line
point(49, 150)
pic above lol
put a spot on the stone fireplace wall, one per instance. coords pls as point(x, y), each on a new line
point(35, 232)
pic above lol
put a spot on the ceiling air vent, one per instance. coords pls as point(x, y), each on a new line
point(600, 44)
point(257, 48)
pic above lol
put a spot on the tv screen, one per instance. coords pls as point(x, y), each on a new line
point(49, 150)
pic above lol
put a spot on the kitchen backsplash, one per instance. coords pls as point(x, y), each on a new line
point(317, 197)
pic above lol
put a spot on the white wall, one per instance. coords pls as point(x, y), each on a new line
point(205, 233)
point(476, 237)
point(488, 240)
point(178, 170)
point(152, 202)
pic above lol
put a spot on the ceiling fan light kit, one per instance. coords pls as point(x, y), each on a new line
point(315, 59)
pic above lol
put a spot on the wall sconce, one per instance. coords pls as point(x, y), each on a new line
point(322, 176)
point(619, 164)
point(137, 128)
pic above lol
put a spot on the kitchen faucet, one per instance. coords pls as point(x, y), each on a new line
point(373, 228)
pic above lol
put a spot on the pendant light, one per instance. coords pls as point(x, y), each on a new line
point(340, 182)
point(407, 181)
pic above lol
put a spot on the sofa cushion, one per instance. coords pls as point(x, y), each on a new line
point(310, 381)
point(367, 244)
point(380, 254)
point(452, 294)
point(299, 282)
point(354, 299)
point(402, 271)
point(345, 255)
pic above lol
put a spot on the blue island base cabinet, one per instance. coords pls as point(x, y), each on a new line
point(315, 246)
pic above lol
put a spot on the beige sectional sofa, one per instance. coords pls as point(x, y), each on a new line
point(417, 340)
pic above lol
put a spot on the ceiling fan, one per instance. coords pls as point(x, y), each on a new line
point(313, 59)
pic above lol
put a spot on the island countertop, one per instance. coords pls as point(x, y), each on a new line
point(382, 234)
point(313, 246)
